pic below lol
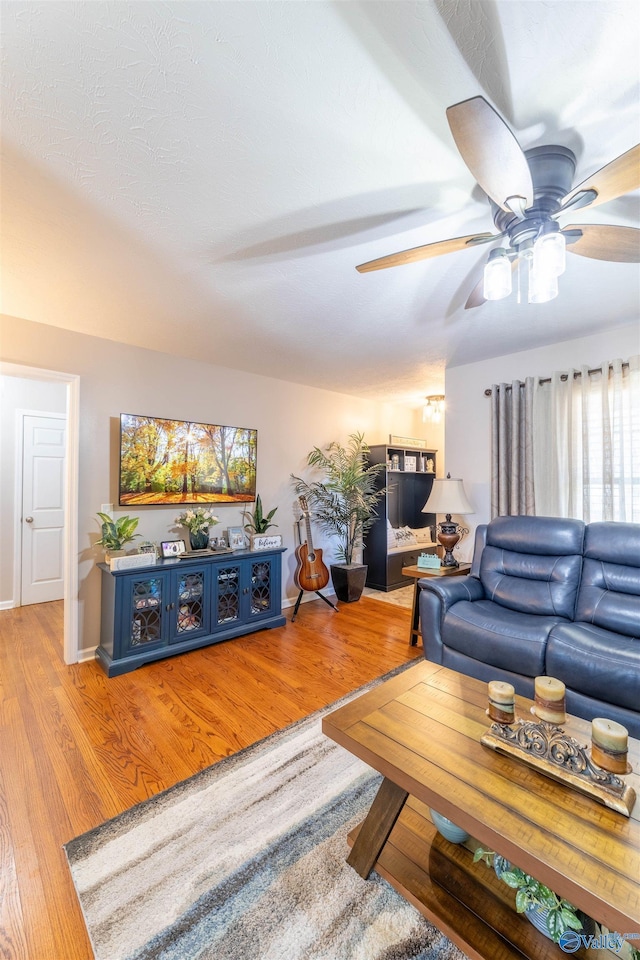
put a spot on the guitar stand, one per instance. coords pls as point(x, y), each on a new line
point(322, 597)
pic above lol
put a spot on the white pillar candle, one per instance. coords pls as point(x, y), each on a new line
point(548, 688)
point(549, 697)
point(501, 701)
point(609, 735)
point(501, 692)
point(609, 745)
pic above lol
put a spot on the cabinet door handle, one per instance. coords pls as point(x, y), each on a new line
point(170, 606)
point(246, 590)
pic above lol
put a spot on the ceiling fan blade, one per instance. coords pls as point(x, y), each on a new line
point(615, 179)
point(476, 298)
point(491, 151)
point(605, 242)
point(428, 250)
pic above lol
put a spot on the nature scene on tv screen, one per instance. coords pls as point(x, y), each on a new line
point(176, 461)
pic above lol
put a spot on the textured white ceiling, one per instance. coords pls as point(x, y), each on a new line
point(203, 177)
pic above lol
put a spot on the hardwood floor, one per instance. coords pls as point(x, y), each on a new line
point(77, 748)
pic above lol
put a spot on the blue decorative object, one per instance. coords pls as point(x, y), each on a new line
point(449, 830)
point(199, 539)
point(538, 917)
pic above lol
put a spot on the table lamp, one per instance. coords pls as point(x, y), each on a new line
point(448, 496)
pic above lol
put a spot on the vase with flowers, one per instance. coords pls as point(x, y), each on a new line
point(197, 521)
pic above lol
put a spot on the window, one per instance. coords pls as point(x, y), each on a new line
point(586, 429)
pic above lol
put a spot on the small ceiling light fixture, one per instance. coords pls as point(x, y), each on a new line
point(497, 275)
point(543, 251)
point(433, 408)
point(549, 250)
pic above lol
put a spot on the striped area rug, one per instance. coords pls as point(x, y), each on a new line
point(246, 861)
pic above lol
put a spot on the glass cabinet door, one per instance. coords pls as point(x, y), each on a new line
point(144, 615)
point(228, 594)
point(261, 587)
point(190, 612)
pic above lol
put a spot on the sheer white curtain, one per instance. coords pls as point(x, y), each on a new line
point(587, 443)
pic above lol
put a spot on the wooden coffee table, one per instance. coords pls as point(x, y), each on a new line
point(421, 730)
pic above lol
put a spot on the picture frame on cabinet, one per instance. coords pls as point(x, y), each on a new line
point(235, 538)
point(147, 547)
point(172, 548)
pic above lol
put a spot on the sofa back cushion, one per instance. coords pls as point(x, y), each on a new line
point(533, 564)
point(609, 595)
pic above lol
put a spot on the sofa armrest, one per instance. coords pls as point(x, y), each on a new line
point(436, 597)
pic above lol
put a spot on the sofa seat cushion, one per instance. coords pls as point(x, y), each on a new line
point(496, 635)
point(596, 662)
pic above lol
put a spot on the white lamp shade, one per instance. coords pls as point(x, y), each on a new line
point(447, 496)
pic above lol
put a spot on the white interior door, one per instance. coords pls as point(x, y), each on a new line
point(43, 476)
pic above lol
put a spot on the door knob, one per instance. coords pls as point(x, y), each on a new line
point(28, 519)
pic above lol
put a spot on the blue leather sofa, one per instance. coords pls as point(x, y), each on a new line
point(546, 596)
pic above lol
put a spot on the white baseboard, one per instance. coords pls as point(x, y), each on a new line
point(85, 655)
point(308, 596)
point(7, 604)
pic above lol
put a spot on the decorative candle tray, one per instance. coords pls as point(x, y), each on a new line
point(548, 749)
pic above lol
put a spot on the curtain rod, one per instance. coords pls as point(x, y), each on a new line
point(563, 376)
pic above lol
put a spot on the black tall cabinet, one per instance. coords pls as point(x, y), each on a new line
point(408, 488)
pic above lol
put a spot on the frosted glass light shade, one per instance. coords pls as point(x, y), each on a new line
point(447, 496)
point(542, 286)
point(549, 254)
point(497, 276)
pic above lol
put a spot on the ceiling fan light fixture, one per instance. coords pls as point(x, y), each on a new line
point(542, 286)
point(549, 251)
point(497, 275)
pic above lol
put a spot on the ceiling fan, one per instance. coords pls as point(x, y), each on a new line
point(528, 191)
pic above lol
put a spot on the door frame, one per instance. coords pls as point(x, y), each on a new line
point(70, 600)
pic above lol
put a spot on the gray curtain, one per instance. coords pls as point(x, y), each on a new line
point(512, 448)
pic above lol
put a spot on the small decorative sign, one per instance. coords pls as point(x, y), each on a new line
point(407, 442)
point(428, 561)
point(132, 560)
point(266, 541)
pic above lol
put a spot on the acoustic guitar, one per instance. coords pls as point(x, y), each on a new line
point(311, 573)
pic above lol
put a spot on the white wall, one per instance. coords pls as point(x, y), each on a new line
point(16, 394)
point(468, 432)
point(114, 378)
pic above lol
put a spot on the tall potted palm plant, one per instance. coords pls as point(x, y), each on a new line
point(343, 504)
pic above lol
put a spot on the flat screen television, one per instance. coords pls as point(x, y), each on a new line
point(180, 461)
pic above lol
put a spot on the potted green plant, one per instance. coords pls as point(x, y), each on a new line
point(550, 914)
point(343, 504)
point(115, 533)
point(257, 522)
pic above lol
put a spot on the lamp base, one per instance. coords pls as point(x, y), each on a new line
point(449, 533)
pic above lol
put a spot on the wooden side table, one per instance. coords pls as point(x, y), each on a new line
point(418, 573)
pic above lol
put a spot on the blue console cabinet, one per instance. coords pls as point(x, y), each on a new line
point(153, 612)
